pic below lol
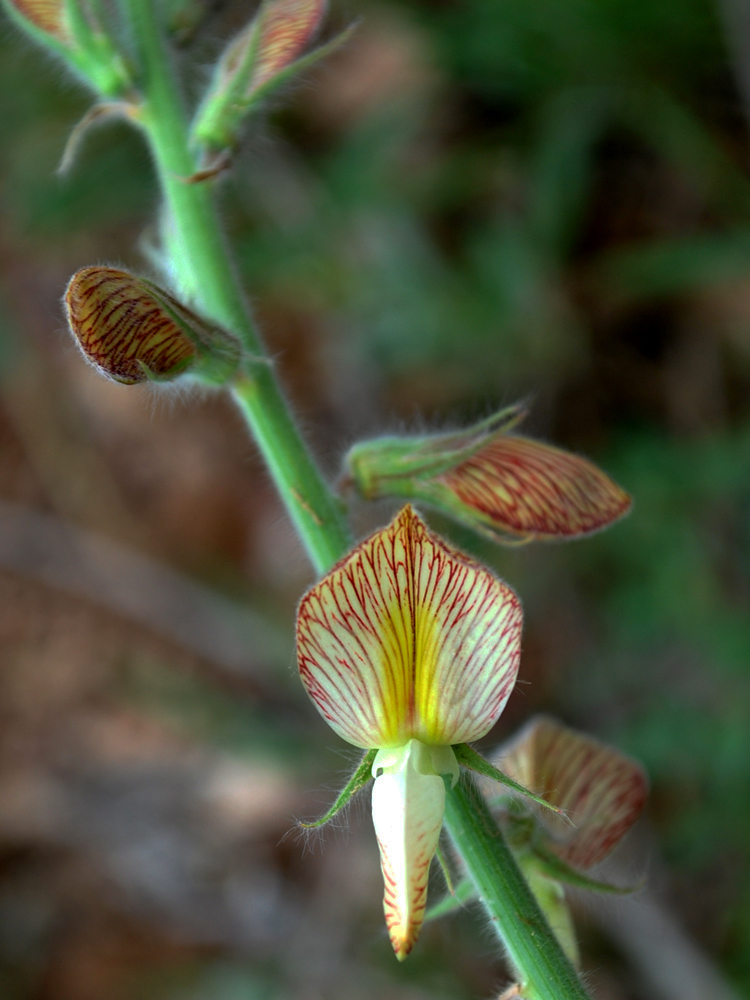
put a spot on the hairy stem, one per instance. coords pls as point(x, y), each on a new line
point(545, 971)
point(203, 270)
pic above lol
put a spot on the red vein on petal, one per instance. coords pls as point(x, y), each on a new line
point(121, 329)
point(530, 488)
point(409, 638)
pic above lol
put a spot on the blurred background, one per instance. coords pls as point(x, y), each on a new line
point(473, 202)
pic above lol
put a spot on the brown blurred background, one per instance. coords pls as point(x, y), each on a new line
point(472, 203)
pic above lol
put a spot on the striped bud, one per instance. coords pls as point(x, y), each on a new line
point(48, 16)
point(262, 57)
point(133, 331)
point(600, 790)
point(508, 487)
point(70, 29)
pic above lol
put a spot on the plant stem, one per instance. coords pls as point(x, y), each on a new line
point(203, 269)
point(545, 971)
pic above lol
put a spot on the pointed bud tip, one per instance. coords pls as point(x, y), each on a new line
point(401, 941)
point(287, 27)
point(47, 16)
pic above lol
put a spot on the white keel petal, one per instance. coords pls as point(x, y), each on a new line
point(408, 802)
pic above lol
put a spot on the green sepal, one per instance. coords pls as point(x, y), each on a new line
point(469, 758)
point(230, 97)
point(550, 896)
point(94, 55)
point(445, 869)
point(463, 893)
point(361, 777)
point(553, 867)
point(388, 466)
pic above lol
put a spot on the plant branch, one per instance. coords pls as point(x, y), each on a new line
point(203, 270)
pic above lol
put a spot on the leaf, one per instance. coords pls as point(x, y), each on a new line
point(555, 868)
point(361, 777)
point(470, 759)
point(463, 893)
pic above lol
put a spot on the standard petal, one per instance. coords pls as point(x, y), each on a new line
point(523, 487)
point(467, 635)
point(408, 802)
point(601, 791)
point(407, 638)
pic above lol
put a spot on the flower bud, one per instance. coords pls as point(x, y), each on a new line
point(133, 331)
point(71, 31)
point(508, 487)
point(600, 790)
point(262, 57)
point(46, 16)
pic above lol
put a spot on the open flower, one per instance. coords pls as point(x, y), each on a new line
point(509, 487)
point(409, 647)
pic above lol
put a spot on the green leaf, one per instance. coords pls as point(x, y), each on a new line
point(361, 777)
point(463, 893)
point(548, 863)
point(469, 758)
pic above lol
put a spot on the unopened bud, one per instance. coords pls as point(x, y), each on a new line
point(70, 29)
point(509, 487)
point(46, 16)
point(600, 791)
point(133, 331)
point(262, 57)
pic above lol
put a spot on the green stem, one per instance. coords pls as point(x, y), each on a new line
point(545, 971)
point(203, 268)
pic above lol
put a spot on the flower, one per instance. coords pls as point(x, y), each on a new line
point(509, 487)
point(409, 647)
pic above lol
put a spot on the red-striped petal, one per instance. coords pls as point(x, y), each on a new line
point(523, 487)
point(407, 638)
point(134, 331)
point(601, 791)
point(286, 28)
